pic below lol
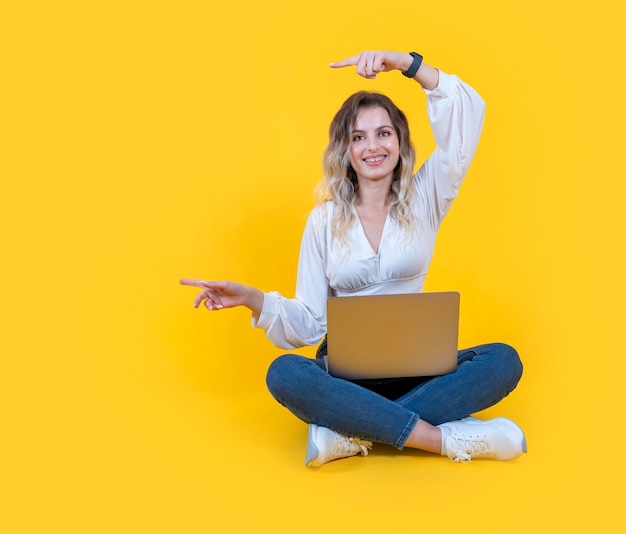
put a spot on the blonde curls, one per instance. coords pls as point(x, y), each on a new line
point(340, 183)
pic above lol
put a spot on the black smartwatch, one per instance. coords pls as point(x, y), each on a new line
point(412, 70)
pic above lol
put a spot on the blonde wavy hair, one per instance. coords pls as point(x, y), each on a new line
point(340, 184)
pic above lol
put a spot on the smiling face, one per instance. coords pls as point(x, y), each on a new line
point(374, 145)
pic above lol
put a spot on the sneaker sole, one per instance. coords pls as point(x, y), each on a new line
point(312, 452)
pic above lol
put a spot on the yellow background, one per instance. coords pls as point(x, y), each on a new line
point(143, 142)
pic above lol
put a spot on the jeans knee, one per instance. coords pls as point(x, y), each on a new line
point(511, 363)
point(277, 378)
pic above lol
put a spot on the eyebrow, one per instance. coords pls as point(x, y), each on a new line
point(385, 127)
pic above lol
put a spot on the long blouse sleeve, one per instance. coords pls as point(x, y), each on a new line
point(456, 114)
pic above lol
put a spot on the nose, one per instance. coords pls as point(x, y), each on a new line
point(372, 143)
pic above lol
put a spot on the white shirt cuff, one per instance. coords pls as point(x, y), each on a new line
point(270, 308)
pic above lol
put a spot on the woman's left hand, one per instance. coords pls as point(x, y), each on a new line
point(371, 62)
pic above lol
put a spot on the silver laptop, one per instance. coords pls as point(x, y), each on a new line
point(392, 336)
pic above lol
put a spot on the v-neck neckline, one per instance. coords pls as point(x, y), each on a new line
point(382, 234)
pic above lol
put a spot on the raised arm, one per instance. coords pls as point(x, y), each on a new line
point(456, 113)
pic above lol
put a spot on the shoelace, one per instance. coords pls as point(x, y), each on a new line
point(345, 446)
point(465, 448)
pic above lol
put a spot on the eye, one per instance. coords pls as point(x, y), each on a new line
point(357, 138)
point(385, 133)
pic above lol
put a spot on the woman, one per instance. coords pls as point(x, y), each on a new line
point(373, 232)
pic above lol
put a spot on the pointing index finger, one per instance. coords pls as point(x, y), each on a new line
point(193, 282)
point(346, 62)
point(204, 284)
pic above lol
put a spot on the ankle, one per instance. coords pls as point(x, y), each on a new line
point(426, 437)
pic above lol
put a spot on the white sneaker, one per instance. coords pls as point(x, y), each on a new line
point(468, 438)
point(325, 445)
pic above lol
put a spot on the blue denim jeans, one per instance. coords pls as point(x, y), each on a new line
point(386, 411)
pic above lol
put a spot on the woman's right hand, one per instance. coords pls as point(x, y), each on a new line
point(218, 295)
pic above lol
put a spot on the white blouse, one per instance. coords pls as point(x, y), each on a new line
point(456, 114)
